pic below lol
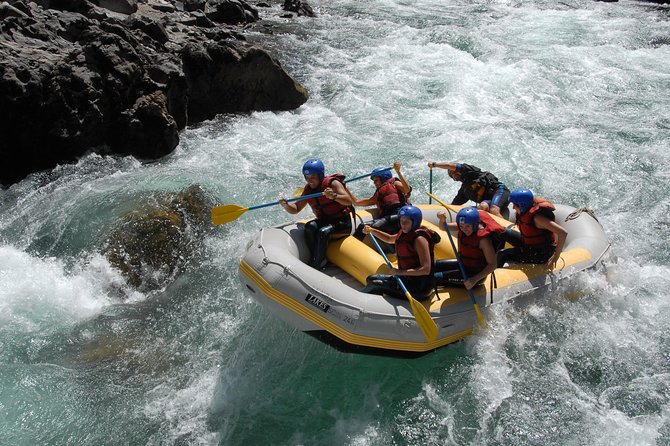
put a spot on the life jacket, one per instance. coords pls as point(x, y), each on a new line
point(323, 207)
point(531, 235)
point(389, 198)
point(468, 245)
point(407, 255)
point(481, 186)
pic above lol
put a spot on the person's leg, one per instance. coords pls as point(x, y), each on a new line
point(508, 255)
point(524, 255)
point(389, 224)
point(311, 229)
point(320, 246)
point(448, 273)
point(382, 284)
point(511, 236)
point(358, 234)
point(500, 202)
point(420, 288)
point(537, 256)
point(322, 236)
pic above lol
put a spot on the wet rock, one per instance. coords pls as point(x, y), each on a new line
point(155, 243)
point(231, 12)
point(120, 6)
point(232, 77)
point(75, 78)
point(299, 6)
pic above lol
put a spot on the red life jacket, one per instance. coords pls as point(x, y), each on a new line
point(468, 245)
point(389, 198)
point(323, 207)
point(407, 255)
point(531, 235)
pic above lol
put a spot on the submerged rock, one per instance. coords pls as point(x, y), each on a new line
point(76, 77)
point(155, 243)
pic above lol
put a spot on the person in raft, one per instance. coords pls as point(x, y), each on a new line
point(541, 238)
point(414, 247)
point(479, 238)
point(332, 210)
point(478, 186)
point(391, 194)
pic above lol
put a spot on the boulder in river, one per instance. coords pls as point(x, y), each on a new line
point(156, 242)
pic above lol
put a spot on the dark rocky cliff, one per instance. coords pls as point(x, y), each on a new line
point(118, 77)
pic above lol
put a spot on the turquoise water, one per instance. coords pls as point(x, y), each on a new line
point(570, 98)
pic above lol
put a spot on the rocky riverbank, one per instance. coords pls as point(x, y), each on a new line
point(122, 77)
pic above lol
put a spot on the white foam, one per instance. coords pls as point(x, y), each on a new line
point(38, 292)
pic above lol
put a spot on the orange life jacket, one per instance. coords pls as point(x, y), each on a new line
point(407, 255)
point(531, 235)
point(323, 207)
point(468, 245)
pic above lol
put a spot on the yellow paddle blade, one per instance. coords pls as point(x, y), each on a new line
point(480, 317)
point(298, 192)
point(423, 319)
point(227, 213)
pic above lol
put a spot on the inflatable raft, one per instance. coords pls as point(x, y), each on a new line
point(327, 304)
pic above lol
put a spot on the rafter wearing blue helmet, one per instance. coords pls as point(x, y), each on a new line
point(479, 237)
point(415, 252)
point(332, 209)
point(542, 239)
point(391, 194)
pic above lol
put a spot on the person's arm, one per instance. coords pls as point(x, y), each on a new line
point(543, 222)
point(339, 193)
point(293, 207)
point(383, 236)
point(364, 202)
point(442, 217)
point(491, 262)
point(404, 186)
point(422, 248)
point(448, 166)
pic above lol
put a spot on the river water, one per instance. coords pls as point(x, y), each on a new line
point(570, 98)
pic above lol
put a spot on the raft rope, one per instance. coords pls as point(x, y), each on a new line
point(577, 212)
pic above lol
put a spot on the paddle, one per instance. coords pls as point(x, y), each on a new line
point(480, 318)
point(423, 319)
point(367, 175)
point(229, 212)
point(430, 187)
point(299, 190)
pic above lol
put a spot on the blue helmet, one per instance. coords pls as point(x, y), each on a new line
point(314, 166)
point(522, 198)
point(412, 212)
point(468, 216)
point(384, 173)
